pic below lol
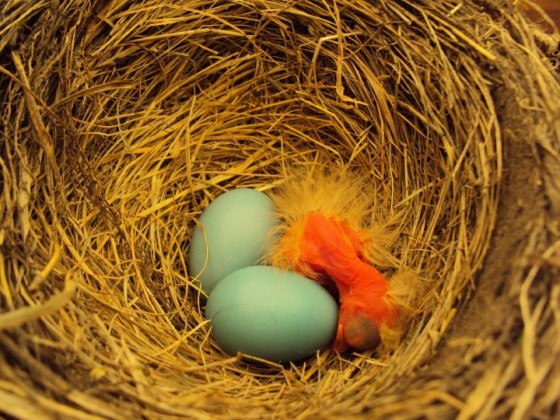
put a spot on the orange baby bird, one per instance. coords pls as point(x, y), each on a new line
point(328, 250)
point(320, 237)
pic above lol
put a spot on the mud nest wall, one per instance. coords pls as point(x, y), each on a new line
point(121, 121)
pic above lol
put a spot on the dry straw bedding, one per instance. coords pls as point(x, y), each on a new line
point(122, 120)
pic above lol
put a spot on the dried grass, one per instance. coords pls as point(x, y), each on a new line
point(122, 120)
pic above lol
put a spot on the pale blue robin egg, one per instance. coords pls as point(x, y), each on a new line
point(232, 233)
point(271, 313)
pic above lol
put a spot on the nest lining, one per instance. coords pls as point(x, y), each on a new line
point(124, 120)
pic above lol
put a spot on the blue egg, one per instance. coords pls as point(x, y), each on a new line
point(235, 230)
point(271, 313)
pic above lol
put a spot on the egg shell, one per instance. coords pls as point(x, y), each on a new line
point(236, 227)
point(271, 313)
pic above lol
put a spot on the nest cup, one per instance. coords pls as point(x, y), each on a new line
point(121, 121)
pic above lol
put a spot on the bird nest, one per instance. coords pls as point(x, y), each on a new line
point(121, 121)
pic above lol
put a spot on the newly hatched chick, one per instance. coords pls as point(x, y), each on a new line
point(324, 235)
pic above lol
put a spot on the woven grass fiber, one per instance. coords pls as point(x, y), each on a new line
point(122, 120)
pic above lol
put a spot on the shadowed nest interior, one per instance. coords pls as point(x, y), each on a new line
point(122, 120)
